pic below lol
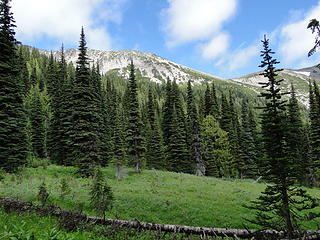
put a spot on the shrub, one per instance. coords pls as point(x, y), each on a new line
point(101, 194)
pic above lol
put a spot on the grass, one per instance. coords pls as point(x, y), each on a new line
point(160, 197)
point(31, 226)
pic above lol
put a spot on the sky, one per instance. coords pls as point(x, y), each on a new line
point(219, 37)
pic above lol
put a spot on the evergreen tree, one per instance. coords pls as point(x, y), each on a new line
point(177, 153)
point(214, 100)
point(294, 137)
point(33, 76)
point(119, 156)
point(219, 161)
point(190, 118)
point(105, 131)
point(248, 149)
point(314, 102)
point(226, 117)
point(167, 114)
point(281, 206)
point(13, 147)
point(85, 120)
point(134, 137)
point(207, 101)
point(194, 139)
point(37, 119)
point(234, 137)
point(185, 162)
point(154, 153)
point(23, 72)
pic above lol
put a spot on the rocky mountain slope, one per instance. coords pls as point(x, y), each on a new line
point(299, 78)
point(151, 66)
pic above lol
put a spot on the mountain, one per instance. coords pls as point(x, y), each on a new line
point(151, 66)
point(158, 70)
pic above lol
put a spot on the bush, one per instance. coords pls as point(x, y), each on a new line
point(64, 188)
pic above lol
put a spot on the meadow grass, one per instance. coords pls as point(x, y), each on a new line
point(152, 196)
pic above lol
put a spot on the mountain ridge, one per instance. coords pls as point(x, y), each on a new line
point(152, 66)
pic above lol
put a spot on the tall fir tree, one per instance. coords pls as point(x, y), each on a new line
point(226, 117)
point(281, 206)
point(13, 149)
point(107, 143)
point(154, 150)
point(208, 101)
point(247, 142)
point(294, 136)
point(37, 120)
point(234, 137)
point(23, 72)
point(215, 107)
point(85, 119)
point(167, 113)
point(134, 136)
point(177, 153)
point(195, 145)
point(119, 159)
point(314, 101)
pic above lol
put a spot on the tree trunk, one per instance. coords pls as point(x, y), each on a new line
point(285, 202)
point(119, 167)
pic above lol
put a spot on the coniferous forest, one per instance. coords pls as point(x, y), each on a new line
point(78, 118)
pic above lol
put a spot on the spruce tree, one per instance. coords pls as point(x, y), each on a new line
point(247, 142)
point(294, 137)
point(23, 72)
point(37, 120)
point(154, 151)
point(186, 164)
point(85, 120)
point(234, 137)
point(226, 117)
point(33, 76)
point(194, 139)
point(314, 101)
point(207, 101)
point(105, 129)
point(167, 113)
point(134, 137)
point(177, 153)
point(13, 147)
point(281, 206)
point(215, 107)
point(119, 156)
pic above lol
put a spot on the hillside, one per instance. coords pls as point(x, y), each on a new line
point(299, 78)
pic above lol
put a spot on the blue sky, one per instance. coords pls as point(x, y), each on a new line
point(219, 37)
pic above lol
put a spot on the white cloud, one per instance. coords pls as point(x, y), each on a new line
point(216, 47)
point(193, 20)
point(62, 20)
point(296, 40)
point(241, 58)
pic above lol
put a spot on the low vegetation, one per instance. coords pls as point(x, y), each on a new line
point(152, 196)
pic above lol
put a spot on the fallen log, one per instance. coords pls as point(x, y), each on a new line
point(27, 206)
